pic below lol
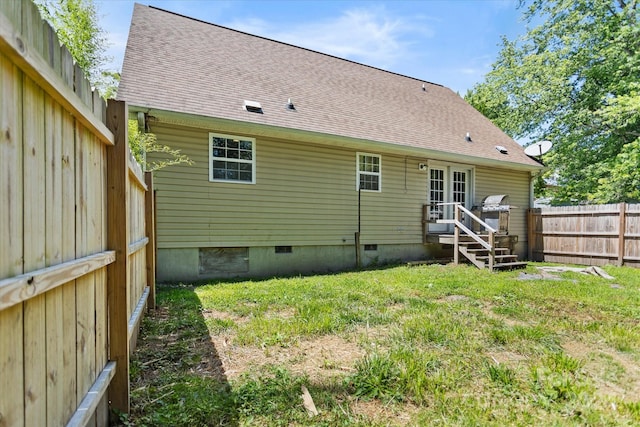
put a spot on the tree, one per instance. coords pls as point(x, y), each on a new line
point(77, 26)
point(574, 78)
point(142, 143)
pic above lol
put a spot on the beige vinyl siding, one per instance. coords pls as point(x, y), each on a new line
point(516, 185)
point(303, 195)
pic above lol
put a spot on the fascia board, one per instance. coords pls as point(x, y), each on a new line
point(268, 131)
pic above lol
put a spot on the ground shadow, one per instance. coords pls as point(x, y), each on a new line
point(177, 377)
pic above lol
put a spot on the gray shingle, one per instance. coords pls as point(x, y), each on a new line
point(181, 64)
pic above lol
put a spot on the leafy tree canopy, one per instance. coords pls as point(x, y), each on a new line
point(143, 143)
point(574, 78)
point(77, 26)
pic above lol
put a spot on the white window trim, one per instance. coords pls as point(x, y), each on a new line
point(252, 161)
point(449, 167)
point(378, 174)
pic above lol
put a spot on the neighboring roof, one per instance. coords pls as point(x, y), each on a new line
point(188, 66)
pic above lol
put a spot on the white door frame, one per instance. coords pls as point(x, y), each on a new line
point(445, 190)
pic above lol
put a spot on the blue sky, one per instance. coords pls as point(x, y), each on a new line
point(449, 42)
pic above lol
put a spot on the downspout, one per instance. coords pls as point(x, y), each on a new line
point(357, 236)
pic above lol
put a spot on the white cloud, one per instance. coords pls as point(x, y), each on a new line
point(372, 36)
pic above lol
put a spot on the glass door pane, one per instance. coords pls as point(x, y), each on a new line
point(437, 194)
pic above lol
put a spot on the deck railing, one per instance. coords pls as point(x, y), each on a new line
point(461, 227)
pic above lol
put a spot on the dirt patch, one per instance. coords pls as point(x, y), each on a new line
point(487, 310)
point(389, 415)
point(223, 315)
point(620, 379)
point(452, 298)
point(508, 358)
point(321, 357)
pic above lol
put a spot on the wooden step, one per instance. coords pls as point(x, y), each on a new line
point(481, 250)
point(498, 257)
point(510, 265)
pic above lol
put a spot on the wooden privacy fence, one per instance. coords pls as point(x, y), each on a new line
point(590, 235)
point(76, 235)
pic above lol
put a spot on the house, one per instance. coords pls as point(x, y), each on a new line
point(295, 151)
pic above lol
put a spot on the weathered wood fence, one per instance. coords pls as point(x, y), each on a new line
point(589, 235)
point(76, 235)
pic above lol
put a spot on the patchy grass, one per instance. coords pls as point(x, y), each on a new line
point(429, 345)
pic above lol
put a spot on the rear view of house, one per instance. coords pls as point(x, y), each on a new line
point(296, 151)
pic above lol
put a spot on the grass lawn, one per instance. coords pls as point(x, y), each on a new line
point(428, 345)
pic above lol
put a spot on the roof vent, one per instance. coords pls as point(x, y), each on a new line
point(290, 105)
point(424, 88)
point(502, 149)
point(252, 107)
point(468, 137)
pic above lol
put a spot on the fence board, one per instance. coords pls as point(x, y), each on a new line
point(12, 368)
point(35, 362)
point(85, 346)
point(54, 354)
point(149, 223)
point(37, 68)
point(11, 175)
point(11, 217)
point(68, 188)
point(63, 311)
point(69, 339)
point(12, 10)
point(592, 235)
point(34, 249)
point(53, 182)
point(81, 184)
point(102, 356)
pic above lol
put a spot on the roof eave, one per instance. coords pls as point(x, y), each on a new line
point(257, 129)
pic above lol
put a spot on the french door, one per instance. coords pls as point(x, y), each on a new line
point(447, 184)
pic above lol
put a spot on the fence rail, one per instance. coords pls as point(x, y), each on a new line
point(591, 235)
point(76, 235)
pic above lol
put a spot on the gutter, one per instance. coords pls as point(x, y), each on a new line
point(269, 131)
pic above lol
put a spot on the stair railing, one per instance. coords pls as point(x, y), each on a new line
point(459, 226)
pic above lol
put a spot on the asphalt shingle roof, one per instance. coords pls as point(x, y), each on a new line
point(181, 64)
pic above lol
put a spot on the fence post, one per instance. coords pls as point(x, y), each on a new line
point(150, 220)
point(118, 240)
point(621, 232)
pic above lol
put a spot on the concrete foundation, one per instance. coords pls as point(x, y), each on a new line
point(195, 264)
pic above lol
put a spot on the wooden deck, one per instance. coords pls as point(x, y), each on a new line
point(502, 240)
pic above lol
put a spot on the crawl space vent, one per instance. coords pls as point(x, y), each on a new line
point(252, 107)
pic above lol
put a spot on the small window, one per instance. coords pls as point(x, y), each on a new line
point(371, 247)
point(369, 172)
point(232, 159)
point(284, 249)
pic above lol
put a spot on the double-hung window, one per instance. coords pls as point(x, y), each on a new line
point(369, 176)
point(232, 159)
